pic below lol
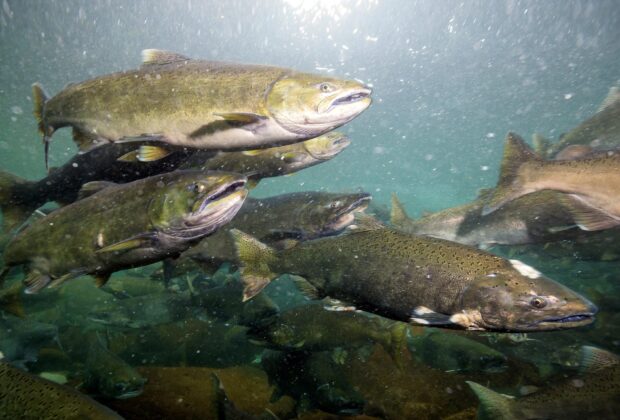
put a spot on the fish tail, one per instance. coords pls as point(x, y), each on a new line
point(40, 99)
point(15, 201)
point(493, 405)
point(516, 153)
point(254, 258)
point(12, 302)
point(398, 214)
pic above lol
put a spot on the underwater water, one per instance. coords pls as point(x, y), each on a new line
point(170, 337)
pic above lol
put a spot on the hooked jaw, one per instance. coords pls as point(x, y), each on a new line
point(350, 98)
point(346, 216)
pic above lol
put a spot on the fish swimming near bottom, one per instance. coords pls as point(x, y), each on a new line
point(425, 281)
point(123, 226)
point(308, 328)
point(26, 396)
point(594, 394)
point(592, 183)
point(109, 375)
point(451, 352)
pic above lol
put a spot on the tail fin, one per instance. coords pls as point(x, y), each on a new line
point(40, 98)
point(516, 153)
point(15, 204)
point(398, 214)
point(254, 258)
point(493, 405)
point(10, 300)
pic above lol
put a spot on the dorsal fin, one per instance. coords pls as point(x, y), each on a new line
point(611, 99)
point(594, 359)
point(398, 214)
point(541, 145)
point(159, 57)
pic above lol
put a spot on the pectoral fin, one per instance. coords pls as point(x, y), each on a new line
point(586, 216)
point(93, 187)
point(152, 153)
point(71, 275)
point(241, 117)
point(128, 244)
point(35, 281)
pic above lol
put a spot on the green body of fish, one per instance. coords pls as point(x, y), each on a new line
point(592, 183)
point(125, 225)
point(454, 353)
point(300, 216)
point(202, 104)
point(276, 161)
point(423, 280)
point(309, 327)
point(595, 394)
point(23, 395)
point(536, 218)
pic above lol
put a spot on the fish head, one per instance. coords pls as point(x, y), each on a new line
point(518, 298)
point(331, 214)
point(310, 105)
point(197, 203)
point(123, 384)
point(327, 146)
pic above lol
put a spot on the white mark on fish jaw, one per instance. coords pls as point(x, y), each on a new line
point(525, 269)
point(100, 239)
point(423, 310)
point(420, 321)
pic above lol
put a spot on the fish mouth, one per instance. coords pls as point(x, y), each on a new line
point(129, 394)
point(350, 97)
point(346, 216)
point(570, 321)
point(215, 210)
point(337, 145)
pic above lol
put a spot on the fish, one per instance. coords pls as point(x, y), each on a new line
point(123, 226)
point(28, 396)
point(20, 197)
point(594, 393)
point(142, 311)
point(108, 375)
point(455, 353)
point(307, 328)
point(421, 280)
point(591, 185)
point(21, 339)
point(315, 380)
point(10, 300)
point(275, 220)
point(599, 132)
point(275, 161)
point(175, 100)
point(540, 217)
point(220, 300)
point(124, 287)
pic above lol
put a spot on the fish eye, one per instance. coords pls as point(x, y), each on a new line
point(199, 188)
point(538, 302)
point(326, 87)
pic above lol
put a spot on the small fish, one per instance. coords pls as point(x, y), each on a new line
point(141, 222)
point(599, 132)
point(275, 161)
point(109, 375)
point(591, 184)
point(307, 328)
point(277, 220)
point(45, 399)
point(594, 394)
point(540, 217)
point(176, 100)
point(425, 281)
point(451, 352)
point(21, 339)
